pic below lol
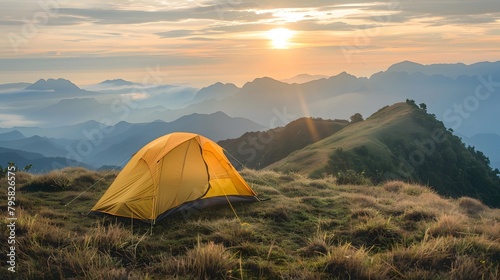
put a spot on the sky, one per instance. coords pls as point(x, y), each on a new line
point(199, 42)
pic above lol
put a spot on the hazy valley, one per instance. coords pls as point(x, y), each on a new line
point(56, 118)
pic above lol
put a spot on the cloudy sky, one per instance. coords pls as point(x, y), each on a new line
point(200, 42)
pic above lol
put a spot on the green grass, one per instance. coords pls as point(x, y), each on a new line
point(309, 229)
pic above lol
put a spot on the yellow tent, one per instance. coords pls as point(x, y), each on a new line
point(176, 172)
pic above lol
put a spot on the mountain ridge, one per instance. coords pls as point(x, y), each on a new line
point(96, 144)
point(401, 142)
point(259, 149)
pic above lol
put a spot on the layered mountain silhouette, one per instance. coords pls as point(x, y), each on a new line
point(11, 135)
point(449, 70)
point(217, 91)
point(96, 144)
point(303, 78)
point(463, 97)
point(444, 87)
point(38, 162)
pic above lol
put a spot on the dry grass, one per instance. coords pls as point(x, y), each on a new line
point(87, 262)
point(394, 186)
point(489, 229)
point(231, 232)
point(348, 262)
point(419, 214)
point(309, 229)
point(465, 268)
point(204, 261)
point(69, 178)
point(471, 206)
point(449, 225)
point(320, 243)
point(51, 182)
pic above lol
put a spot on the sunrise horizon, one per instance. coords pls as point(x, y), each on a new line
point(156, 76)
point(200, 42)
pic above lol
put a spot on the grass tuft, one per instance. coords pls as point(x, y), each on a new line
point(471, 206)
point(55, 181)
point(347, 262)
point(394, 186)
point(206, 261)
point(448, 225)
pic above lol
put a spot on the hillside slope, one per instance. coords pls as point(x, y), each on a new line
point(402, 142)
point(259, 149)
point(388, 122)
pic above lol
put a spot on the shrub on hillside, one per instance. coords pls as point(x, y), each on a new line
point(394, 186)
point(351, 177)
point(86, 180)
point(377, 232)
point(54, 181)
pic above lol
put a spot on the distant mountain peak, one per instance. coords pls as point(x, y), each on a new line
point(266, 78)
point(217, 91)
point(11, 135)
point(219, 114)
point(218, 85)
point(58, 85)
point(263, 81)
point(304, 78)
point(406, 66)
point(452, 70)
point(343, 76)
point(117, 82)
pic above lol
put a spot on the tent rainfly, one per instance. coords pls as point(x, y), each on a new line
point(176, 172)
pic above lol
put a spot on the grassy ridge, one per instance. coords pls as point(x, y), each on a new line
point(309, 229)
point(401, 142)
point(389, 122)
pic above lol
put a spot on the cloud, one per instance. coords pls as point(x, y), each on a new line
point(90, 62)
point(176, 33)
point(253, 12)
point(119, 35)
point(116, 16)
point(442, 12)
point(135, 96)
point(11, 120)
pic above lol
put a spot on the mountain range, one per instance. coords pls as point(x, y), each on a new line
point(464, 97)
point(96, 144)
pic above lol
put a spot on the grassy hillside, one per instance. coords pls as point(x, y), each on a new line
point(401, 142)
point(389, 122)
point(309, 229)
point(259, 149)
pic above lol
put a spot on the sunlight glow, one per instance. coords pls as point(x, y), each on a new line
point(279, 37)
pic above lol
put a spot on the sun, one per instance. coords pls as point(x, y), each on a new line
point(279, 37)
